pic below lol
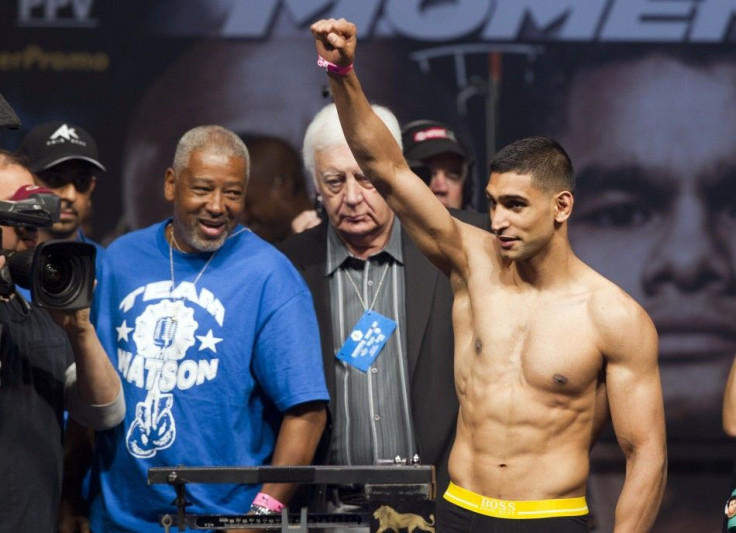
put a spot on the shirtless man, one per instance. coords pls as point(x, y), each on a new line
point(537, 333)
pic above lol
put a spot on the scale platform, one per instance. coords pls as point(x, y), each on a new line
point(381, 483)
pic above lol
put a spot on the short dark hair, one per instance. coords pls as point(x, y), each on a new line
point(543, 158)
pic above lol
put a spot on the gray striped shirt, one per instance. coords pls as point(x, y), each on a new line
point(372, 415)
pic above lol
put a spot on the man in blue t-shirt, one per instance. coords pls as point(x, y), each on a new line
point(214, 335)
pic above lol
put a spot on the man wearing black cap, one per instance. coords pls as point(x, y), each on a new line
point(63, 156)
point(440, 158)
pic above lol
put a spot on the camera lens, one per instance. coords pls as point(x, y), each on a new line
point(60, 276)
point(57, 274)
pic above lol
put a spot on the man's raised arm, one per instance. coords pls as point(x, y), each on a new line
point(379, 156)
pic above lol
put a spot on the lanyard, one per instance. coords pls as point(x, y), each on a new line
point(378, 289)
point(209, 260)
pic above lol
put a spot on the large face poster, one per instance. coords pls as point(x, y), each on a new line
point(641, 93)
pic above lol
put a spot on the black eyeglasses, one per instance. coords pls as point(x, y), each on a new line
point(53, 179)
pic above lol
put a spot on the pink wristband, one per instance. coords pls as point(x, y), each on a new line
point(269, 502)
point(332, 67)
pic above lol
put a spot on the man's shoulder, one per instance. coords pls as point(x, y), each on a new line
point(615, 312)
point(81, 237)
point(132, 237)
point(36, 321)
point(311, 243)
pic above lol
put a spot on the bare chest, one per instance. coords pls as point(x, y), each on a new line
point(546, 343)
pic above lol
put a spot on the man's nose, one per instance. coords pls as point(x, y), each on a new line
point(353, 192)
point(438, 185)
point(691, 255)
point(67, 191)
point(499, 220)
point(215, 203)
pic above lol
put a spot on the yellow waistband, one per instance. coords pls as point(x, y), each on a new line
point(516, 510)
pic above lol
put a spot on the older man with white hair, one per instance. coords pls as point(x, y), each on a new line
point(362, 269)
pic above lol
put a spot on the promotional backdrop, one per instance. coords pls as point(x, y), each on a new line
point(642, 93)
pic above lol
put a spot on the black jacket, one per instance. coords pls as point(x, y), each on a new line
point(428, 330)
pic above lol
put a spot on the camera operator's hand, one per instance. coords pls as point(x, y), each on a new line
point(73, 322)
point(97, 381)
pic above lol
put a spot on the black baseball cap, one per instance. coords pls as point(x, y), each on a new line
point(54, 142)
point(423, 139)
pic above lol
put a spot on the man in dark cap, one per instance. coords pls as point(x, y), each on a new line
point(63, 156)
point(436, 153)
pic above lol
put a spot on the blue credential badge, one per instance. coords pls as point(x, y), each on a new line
point(366, 341)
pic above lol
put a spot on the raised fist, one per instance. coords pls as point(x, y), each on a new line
point(335, 40)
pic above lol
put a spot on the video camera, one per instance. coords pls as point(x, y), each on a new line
point(60, 274)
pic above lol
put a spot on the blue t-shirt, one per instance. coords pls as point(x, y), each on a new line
point(211, 349)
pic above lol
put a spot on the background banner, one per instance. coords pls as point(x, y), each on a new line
point(642, 93)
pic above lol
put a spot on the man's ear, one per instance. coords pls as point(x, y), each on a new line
point(563, 206)
point(169, 184)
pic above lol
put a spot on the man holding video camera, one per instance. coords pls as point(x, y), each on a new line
point(50, 360)
point(63, 157)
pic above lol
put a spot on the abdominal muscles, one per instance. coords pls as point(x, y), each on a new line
point(523, 431)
